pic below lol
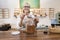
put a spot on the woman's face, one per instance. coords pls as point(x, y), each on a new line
point(26, 9)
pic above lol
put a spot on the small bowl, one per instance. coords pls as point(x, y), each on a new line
point(15, 32)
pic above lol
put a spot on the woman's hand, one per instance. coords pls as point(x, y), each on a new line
point(22, 17)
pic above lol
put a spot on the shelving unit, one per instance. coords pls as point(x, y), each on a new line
point(36, 11)
point(17, 11)
point(1, 15)
point(4, 13)
point(42, 10)
point(51, 13)
point(58, 18)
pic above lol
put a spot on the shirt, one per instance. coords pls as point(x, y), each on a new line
point(29, 20)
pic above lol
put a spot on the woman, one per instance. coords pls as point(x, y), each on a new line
point(26, 15)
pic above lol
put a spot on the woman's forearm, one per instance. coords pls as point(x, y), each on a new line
point(21, 24)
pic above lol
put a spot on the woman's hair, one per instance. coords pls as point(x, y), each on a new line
point(28, 11)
